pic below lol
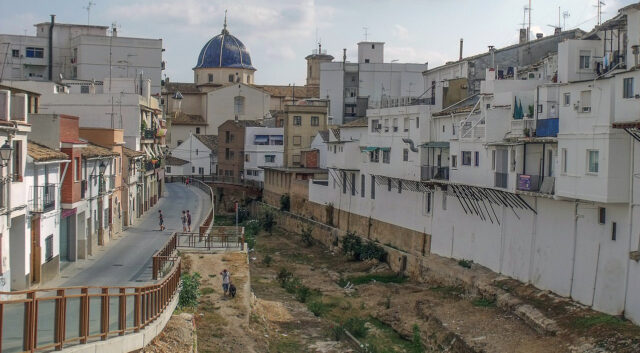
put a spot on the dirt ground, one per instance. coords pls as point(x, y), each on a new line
point(405, 316)
point(178, 336)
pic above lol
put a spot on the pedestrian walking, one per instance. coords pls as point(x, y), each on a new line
point(226, 279)
point(187, 181)
point(184, 221)
point(161, 219)
point(188, 220)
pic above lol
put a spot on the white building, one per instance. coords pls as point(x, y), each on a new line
point(263, 147)
point(533, 179)
point(79, 52)
point(354, 87)
point(319, 143)
point(201, 154)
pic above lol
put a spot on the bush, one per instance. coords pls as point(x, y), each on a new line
point(306, 236)
point(252, 227)
point(465, 263)
point(267, 260)
point(268, 222)
point(337, 332)
point(285, 202)
point(371, 250)
point(284, 276)
point(190, 290)
point(352, 246)
point(317, 307)
point(302, 293)
point(243, 214)
point(356, 326)
point(416, 341)
point(292, 285)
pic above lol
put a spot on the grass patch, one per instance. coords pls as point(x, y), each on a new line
point(451, 291)
point(484, 303)
point(465, 263)
point(356, 326)
point(385, 339)
point(224, 220)
point(587, 322)
point(286, 345)
point(206, 290)
point(373, 277)
point(318, 307)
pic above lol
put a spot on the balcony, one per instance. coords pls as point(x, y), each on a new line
point(500, 180)
point(148, 134)
point(536, 183)
point(43, 198)
point(547, 127)
point(83, 189)
point(429, 172)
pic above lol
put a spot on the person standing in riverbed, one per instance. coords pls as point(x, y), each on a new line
point(226, 279)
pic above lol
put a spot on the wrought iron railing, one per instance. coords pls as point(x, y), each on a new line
point(43, 198)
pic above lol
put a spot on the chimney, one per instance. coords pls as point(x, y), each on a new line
point(523, 36)
point(53, 21)
point(461, 41)
point(492, 50)
point(344, 55)
point(539, 35)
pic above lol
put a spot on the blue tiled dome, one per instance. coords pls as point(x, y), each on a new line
point(224, 50)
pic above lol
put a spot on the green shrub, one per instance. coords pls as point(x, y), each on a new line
point(416, 340)
point(190, 290)
point(352, 246)
point(284, 276)
point(285, 202)
point(484, 303)
point(268, 222)
point(465, 263)
point(267, 260)
point(292, 285)
point(317, 307)
point(356, 326)
point(252, 227)
point(371, 250)
point(337, 332)
point(302, 293)
point(306, 236)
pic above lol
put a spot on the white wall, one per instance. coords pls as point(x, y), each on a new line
point(220, 105)
point(255, 154)
point(198, 155)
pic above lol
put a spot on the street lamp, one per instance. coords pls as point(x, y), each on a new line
point(102, 167)
point(5, 153)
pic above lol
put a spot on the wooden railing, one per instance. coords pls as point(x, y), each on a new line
point(54, 318)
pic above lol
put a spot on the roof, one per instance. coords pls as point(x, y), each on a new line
point(171, 160)
point(296, 170)
point(19, 90)
point(41, 153)
point(627, 125)
point(324, 134)
point(360, 122)
point(188, 119)
point(244, 123)
point(211, 141)
point(292, 91)
point(95, 151)
point(463, 106)
point(224, 50)
point(336, 133)
point(183, 87)
point(129, 153)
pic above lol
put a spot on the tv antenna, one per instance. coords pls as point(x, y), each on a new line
point(88, 8)
point(366, 33)
point(599, 6)
point(565, 15)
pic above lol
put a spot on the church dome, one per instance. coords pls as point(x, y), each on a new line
point(224, 50)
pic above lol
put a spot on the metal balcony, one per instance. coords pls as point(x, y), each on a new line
point(547, 127)
point(43, 198)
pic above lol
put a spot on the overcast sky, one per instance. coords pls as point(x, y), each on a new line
point(280, 33)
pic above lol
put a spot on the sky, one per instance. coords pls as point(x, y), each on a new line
point(280, 33)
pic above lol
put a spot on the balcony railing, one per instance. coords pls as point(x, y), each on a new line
point(148, 134)
point(428, 172)
point(500, 180)
point(528, 182)
point(43, 198)
point(547, 127)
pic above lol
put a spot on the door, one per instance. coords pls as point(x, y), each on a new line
point(64, 239)
point(36, 251)
point(551, 163)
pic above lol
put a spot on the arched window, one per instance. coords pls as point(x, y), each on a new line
point(238, 105)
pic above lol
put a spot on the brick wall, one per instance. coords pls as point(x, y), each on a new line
point(71, 189)
point(310, 158)
point(235, 144)
point(69, 126)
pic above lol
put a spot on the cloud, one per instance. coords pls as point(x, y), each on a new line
point(400, 32)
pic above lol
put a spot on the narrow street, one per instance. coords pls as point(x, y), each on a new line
point(126, 260)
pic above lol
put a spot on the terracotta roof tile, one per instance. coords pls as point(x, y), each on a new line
point(188, 119)
point(41, 153)
point(94, 151)
point(129, 153)
point(289, 91)
point(171, 160)
point(211, 141)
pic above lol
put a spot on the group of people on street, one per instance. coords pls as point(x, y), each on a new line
point(186, 220)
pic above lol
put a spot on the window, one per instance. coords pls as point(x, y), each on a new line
point(417, 122)
point(373, 46)
point(540, 108)
point(15, 53)
point(374, 156)
point(366, 61)
point(197, 130)
point(602, 215)
point(344, 182)
point(227, 154)
point(296, 159)
point(627, 88)
point(427, 206)
point(33, 52)
point(231, 78)
point(238, 105)
point(388, 184)
point(386, 156)
point(444, 200)
point(373, 187)
point(405, 154)
point(76, 169)
point(362, 186)
point(353, 184)
point(374, 125)
point(386, 125)
point(476, 158)
point(566, 99)
point(564, 161)
point(614, 227)
point(513, 160)
point(592, 157)
point(466, 158)
point(179, 142)
point(210, 77)
point(193, 170)
point(297, 120)
point(200, 170)
point(453, 129)
point(315, 121)
point(197, 151)
point(48, 248)
point(17, 161)
point(585, 58)
point(399, 186)
point(227, 136)
point(168, 168)
point(297, 140)
point(454, 161)
point(395, 124)
point(406, 124)
point(493, 160)
point(269, 158)
point(246, 157)
point(585, 101)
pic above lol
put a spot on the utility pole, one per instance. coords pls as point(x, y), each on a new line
point(88, 8)
point(529, 27)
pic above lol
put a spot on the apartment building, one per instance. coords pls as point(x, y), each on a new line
point(133, 185)
point(263, 147)
point(301, 122)
point(231, 142)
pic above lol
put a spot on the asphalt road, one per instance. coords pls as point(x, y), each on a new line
point(127, 261)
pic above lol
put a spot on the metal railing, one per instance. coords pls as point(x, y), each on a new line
point(43, 198)
point(428, 172)
point(55, 318)
point(219, 238)
point(547, 127)
point(148, 134)
point(500, 180)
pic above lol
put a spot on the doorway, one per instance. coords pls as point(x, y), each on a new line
point(36, 251)
point(64, 239)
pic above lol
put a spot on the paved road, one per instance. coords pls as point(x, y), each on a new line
point(127, 261)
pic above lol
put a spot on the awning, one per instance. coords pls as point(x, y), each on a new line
point(436, 144)
point(369, 149)
point(385, 148)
